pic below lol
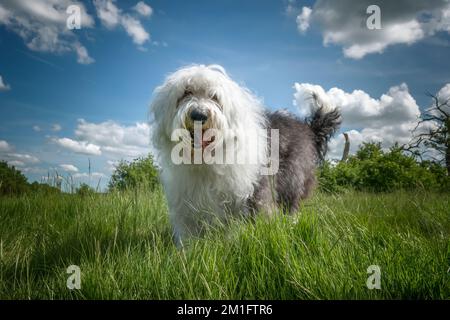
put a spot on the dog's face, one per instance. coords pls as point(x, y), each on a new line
point(213, 112)
point(200, 108)
point(197, 96)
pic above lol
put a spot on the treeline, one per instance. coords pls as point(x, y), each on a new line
point(13, 182)
point(372, 169)
point(136, 174)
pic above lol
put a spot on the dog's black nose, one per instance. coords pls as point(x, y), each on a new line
point(197, 115)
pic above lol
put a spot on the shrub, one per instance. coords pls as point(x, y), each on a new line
point(139, 173)
point(373, 169)
point(85, 190)
point(43, 188)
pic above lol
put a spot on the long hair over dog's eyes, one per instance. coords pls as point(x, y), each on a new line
point(186, 93)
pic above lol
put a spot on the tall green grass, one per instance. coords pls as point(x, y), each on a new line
point(122, 243)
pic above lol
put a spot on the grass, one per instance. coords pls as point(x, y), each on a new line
point(122, 244)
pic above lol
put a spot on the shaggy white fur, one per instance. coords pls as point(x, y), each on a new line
point(199, 194)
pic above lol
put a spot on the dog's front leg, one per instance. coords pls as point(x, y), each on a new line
point(184, 224)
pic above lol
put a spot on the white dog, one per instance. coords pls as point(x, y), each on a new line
point(199, 194)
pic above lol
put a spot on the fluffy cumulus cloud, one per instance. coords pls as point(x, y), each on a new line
point(387, 119)
point(68, 168)
point(125, 141)
point(43, 25)
point(343, 23)
point(3, 85)
point(108, 138)
point(111, 17)
point(81, 147)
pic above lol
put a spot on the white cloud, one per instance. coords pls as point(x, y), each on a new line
point(110, 138)
point(126, 141)
point(157, 44)
point(143, 9)
point(69, 167)
point(135, 29)
point(95, 175)
point(388, 119)
point(81, 147)
point(111, 16)
point(22, 157)
point(37, 128)
point(443, 97)
point(4, 146)
point(303, 19)
point(56, 127)
point(33, 170)
point(400, 33)
point(16, 163)
point(42, 25)
point(13, 158)
point(343, 23)
point(82, 54)
point(112, 164)
point(107, 12)
point(3, 85)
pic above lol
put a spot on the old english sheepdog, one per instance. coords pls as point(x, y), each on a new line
point(222, 154)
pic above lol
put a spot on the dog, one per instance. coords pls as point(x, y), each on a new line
point(201, 194)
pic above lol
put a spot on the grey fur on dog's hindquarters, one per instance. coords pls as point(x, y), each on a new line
point(302, 144)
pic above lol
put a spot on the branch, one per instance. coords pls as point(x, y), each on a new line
point(438, 106)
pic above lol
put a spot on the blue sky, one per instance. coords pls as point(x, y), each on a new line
point(260, 44)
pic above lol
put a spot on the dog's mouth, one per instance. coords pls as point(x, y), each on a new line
point(199, 139)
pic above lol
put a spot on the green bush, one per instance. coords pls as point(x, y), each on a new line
point(43, 188)
point(85, 190)
point(373, 169)
point(139, 173)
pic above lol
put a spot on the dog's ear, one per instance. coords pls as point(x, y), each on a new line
point(218, 68)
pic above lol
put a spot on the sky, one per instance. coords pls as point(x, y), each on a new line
point(70, 96)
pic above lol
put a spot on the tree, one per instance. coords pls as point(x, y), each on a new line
point(12, 181)
point(432, 133)
point(139, 173)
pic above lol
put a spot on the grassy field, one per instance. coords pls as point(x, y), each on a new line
point(122, 243)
